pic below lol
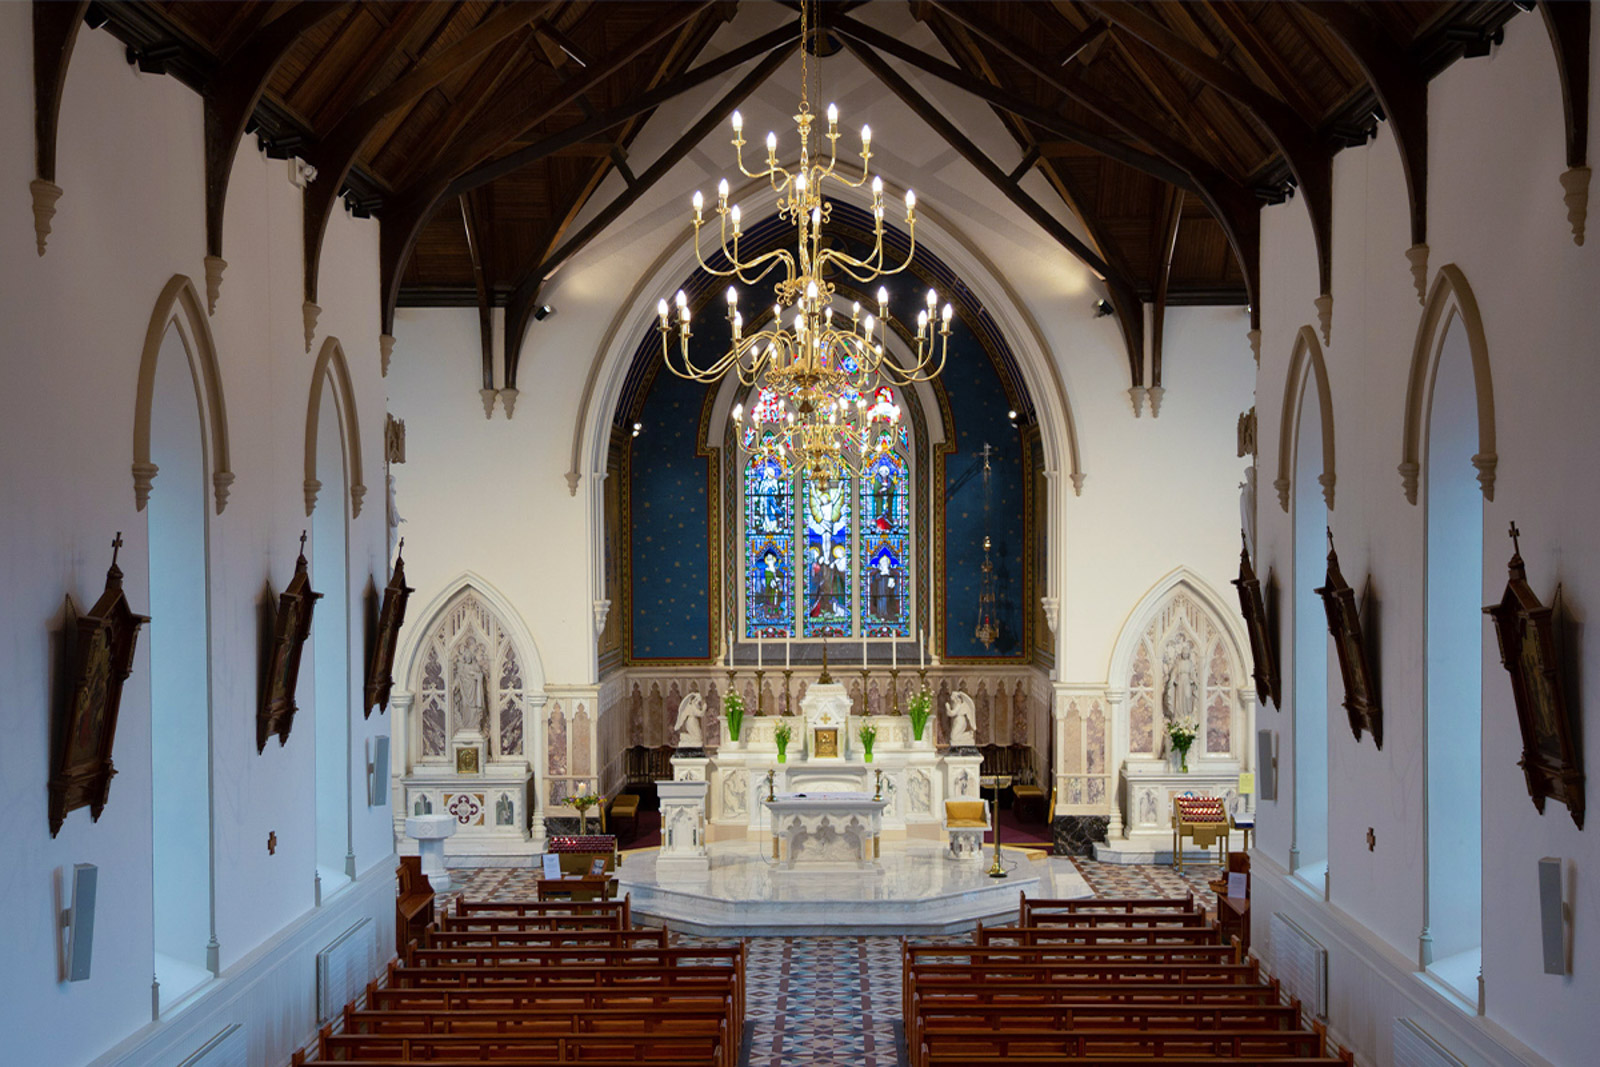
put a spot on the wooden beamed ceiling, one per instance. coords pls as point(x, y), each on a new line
point(478, 131)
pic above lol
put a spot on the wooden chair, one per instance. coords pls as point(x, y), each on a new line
point(625, 806)
point(965, 821)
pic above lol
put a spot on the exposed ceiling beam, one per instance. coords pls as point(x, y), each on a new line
point(359, 79)
point(1308, 159)
point(241, 77)
point(1234, 208)
point(474, 234)
point(1402, 89)
point(403, 223)
point(335, 154)
point(1123, 297)
point(521, 302)
point(1241, 29)
point(1171, 216)
point(55, 31)
point(1155, 166)
point(1568, 25)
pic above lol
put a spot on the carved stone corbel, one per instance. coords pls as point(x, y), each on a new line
point(1052, 611)
point(311, 487)
point(45, 195)
point(1408, 480)
point(221, 487)
point(1155, 393)
point(1326, 481)
point(488, 396)
point(385, 351)
point(602, 608)
point(508, 399)
point(1575, 186)
point(358, 493)
point(1417, 256)
point(215, 265)
point(1255, 345)
point(1324, 305)
point(573, 477)
point(143, 475)
point(1486, 462)
point(310, 313)
point(1076, 478)
point(1282, 486)
point(1136, 394)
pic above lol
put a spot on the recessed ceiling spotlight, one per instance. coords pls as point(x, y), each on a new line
point(542, 312)
point(1102, 308)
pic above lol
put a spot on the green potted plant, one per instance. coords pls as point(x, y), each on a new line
point(733, 708)
point(781, 734)
point(919, 708)
point(868, 734)
point(1182, 735)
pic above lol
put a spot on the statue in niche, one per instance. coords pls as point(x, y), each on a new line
point(423, 806)
point(503, 815)
point(1183, 688)
point(690, 721)
point(471, 695)
point(963, 721)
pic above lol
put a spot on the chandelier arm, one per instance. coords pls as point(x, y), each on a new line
point(699, 255)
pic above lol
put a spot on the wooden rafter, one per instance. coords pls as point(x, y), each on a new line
point(1402, 89)
point(1171, 216)
point(55, 31)
point(1123, 297)
point(522, 300)
point(480, 279)
point(403, 221)
point(241, 77)
point(1234, 208)
point(1308, 159)
point(1568, 26)
point(335, 154)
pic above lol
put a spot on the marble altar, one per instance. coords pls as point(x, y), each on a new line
point(826, 828)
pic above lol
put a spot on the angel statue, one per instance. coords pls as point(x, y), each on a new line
point(691, 712)
point(963, 721)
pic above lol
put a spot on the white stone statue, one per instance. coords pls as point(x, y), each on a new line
point(691, 715)
point(471, 696)
point(963, 721)
point(1183, 688)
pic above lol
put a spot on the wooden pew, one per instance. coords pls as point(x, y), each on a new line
point(1125, 906)
point(413, 904)
point(527, 909)
point(982, 1044)
point(705, 1049)
point(943, 1058)
point(437, 938)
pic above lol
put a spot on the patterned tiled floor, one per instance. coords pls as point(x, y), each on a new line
point(825, 1001)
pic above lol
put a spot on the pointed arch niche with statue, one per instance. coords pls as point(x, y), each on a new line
point(470, 724)
point(1180, 658)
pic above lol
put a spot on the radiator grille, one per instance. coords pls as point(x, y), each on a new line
point(227, 1049)
point(1301, 964)
point(1415, 1047)
point(345, 967)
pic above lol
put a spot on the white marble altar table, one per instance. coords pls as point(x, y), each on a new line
point(826, 828)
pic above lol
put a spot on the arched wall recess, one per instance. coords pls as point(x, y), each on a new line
point(1156, 600)
point(1306, 360)
point(179, 307)
point(331, 368)
point(409, 661)
point(1450, 299)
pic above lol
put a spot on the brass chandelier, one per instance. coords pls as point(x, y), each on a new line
point(822, 371)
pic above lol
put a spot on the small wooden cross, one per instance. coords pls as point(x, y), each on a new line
point(116, 546)
point(1516, 546)
point(302, 542)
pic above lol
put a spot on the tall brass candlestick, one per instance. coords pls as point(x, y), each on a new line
point(759, 673)
point(786, 706)
point(894, 690)
point(866, 705)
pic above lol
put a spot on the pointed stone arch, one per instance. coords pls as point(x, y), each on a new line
point(332, 370)
point(1451, 299)
point(1305, 364)
point(1183, 610)
point(506, 654)
point(179, 308)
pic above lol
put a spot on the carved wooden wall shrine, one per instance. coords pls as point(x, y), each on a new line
point(1262, 649)
point(290, 630)
point(1361, 700)
point(380, 671)
point(1530, 649)
point(101, 657)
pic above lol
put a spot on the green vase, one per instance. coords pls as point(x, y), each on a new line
point(783, 753)
point(868, 756)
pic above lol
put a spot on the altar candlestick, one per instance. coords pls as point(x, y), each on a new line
point(863, 650)
point(922, 650)
point(894, 654)
point(786, 643)
point(758, 655)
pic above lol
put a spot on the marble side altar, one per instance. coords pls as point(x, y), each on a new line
point(1141, 826)
point(813, 829)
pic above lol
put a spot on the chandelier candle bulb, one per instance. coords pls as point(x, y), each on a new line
point(772, 144)
point(722, 193)
point(833, 115)
point(699, 204)
point(866, 138)
point(738, 122)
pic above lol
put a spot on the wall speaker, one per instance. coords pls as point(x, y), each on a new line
point(79, 921)
point(1266, 765)
point(1552, 916)
point(378, 785)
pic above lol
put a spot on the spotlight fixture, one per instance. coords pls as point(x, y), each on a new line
point(542, 312)
point(637, 428)
point(1102, 308)
point(1012, 415)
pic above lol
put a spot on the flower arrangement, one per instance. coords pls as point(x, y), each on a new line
point(583, 800)
point(868, 734)
point(1182, 735)
point(733, 708)
point(781, 734)
point(918, 709)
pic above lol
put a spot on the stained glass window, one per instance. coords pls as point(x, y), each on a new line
point(831, 562)
point(885, 547)
point(769, 549)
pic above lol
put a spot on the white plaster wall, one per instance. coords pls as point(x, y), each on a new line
point(131, 165)
point(1495, 210)
point(490, 496)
